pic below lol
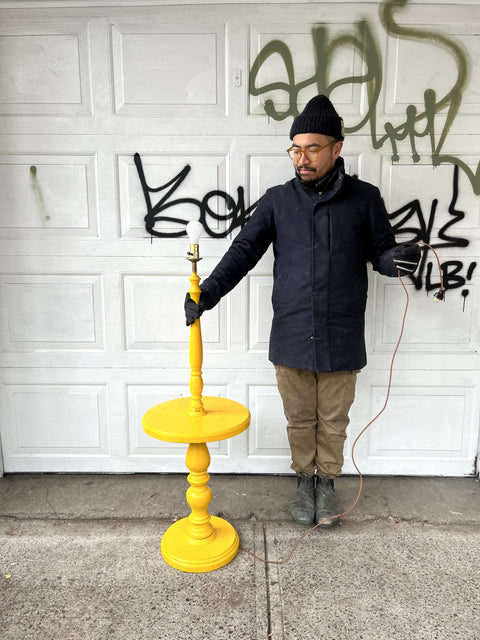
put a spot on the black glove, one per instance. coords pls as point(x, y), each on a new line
point(194, 310)
point(406, 258)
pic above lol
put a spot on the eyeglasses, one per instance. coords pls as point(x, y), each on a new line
point(310, 153)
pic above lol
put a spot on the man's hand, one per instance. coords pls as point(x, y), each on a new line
point(406, 258)
point(194, 310)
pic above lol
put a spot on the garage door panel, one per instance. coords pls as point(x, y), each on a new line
point(94, 272)
point(188, 188)
point(53, 420)
point(450, 326)
point(282, 50)
point(155, 318)
point(436, 195)
point(430, 421)
point(154, 76)
point(53, 312)
point(51, 195)
point(46, 66)
point(409, 435)
point(441, 65)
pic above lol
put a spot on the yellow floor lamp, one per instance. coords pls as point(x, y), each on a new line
point(199, 542)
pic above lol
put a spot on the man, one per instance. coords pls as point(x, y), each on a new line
point(324, 225)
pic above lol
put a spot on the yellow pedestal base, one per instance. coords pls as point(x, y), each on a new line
point(201, 542)
point(182, 552)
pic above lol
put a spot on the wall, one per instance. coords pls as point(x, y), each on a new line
point(119, 123)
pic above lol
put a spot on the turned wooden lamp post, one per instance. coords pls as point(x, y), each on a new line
point(199, 542)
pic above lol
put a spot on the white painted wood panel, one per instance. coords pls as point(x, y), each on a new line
point(165, 69)
point(91, 316)
point(48, 67)
point(48, 312)
point(49, 195)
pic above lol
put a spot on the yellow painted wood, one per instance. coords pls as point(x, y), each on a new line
point(200, 542)
point(179, 552)
point(172, 421)
point(196, 351)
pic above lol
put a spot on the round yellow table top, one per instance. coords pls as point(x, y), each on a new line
point(171, 421)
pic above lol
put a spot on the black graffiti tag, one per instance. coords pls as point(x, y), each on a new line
point(422, 231)
point(236, 216)
point(407, 220)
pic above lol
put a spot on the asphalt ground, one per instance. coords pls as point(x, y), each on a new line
point(80, 559)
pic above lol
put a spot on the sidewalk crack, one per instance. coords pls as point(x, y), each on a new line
point(276, 623)
point(267, 584)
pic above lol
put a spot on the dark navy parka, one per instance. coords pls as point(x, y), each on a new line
point(321, 244)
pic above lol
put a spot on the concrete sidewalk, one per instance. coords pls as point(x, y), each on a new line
point(80, 559)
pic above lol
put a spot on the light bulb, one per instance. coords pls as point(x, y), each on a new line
point(194, 231)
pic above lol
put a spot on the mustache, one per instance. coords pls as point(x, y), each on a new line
point(304, 178)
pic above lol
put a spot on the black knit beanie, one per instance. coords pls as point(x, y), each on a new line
point(319, 116)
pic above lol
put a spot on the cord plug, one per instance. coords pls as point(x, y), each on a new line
point(439, 295)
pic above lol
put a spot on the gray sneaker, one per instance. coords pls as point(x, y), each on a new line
point(303, 503)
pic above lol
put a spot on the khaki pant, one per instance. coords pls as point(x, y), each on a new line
point(316, 406)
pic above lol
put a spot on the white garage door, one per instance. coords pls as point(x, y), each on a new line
point(93, 269)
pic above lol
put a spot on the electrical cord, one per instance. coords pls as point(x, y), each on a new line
point(439, 295)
